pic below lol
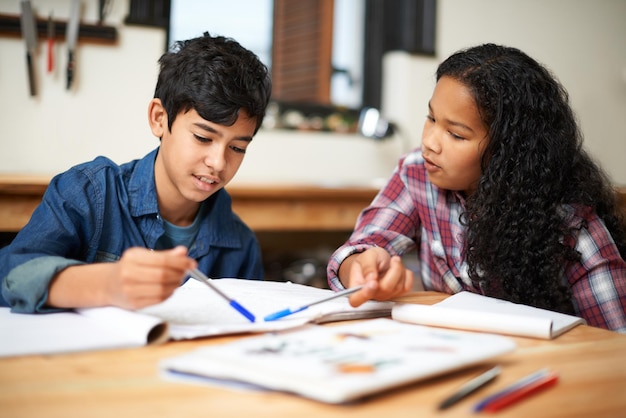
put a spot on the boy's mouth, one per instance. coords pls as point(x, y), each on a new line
point(207, 180)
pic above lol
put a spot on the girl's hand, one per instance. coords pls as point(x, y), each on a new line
point(383, 276)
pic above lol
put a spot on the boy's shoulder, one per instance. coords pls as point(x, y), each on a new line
point(104, 165)
point(86, 170)
point(98, 163)
point(104, 170)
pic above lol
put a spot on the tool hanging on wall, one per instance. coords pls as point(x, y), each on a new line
point(51, 38)
point(72, 36)
point(30, 35)
point(104, 7)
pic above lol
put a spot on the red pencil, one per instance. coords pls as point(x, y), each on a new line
point(510, 398)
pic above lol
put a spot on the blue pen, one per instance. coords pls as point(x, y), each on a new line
point(515, 386)
point(199, 276)
point(289, 311)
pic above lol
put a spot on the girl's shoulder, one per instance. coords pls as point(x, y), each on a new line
point(577, 215)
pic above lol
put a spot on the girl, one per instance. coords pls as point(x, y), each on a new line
point(501, 199)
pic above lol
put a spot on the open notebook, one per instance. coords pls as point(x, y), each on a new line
point(337, 364)
point(193, 311)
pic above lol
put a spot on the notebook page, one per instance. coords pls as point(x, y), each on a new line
point(195, 310)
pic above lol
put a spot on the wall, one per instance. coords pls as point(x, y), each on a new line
point(106, 114)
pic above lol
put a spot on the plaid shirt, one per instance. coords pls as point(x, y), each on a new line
point(410, 212)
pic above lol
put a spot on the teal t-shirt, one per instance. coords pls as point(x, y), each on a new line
point(180, 235)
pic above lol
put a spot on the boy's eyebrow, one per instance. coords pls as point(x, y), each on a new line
point(453, 123)
point(208, 128)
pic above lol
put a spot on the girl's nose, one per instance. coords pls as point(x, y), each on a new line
point(430, 138)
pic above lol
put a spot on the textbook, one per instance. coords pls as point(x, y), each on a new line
point(471, 311)
point(193, 311)
point(336, 364)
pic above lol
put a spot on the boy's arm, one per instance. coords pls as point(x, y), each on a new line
point(62, 232)
point(140, 278)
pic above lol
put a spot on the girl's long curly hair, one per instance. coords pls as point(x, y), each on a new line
point(533, 164)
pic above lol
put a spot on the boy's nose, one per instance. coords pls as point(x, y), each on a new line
point(216, 159)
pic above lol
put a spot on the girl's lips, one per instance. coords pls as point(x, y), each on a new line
point(430, 166)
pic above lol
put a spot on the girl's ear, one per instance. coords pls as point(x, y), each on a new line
point(157, 118)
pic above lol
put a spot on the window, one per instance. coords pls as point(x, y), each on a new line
point(313, 47)
point(328, 37)
point(247, 21)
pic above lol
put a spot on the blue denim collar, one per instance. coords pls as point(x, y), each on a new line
point(141, 187)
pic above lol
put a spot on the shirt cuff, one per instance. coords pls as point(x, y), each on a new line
point(25, 288)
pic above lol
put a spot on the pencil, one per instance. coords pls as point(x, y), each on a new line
point(517, 391)
point(470, 387)
point(523, 392)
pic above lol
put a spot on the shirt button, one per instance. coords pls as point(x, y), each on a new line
point(437, 248)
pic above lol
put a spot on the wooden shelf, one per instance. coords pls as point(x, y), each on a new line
point(272, 208)
point(10, 26)
point(276, 208)
point(300, 208)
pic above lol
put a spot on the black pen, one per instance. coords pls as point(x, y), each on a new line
point(471, 386)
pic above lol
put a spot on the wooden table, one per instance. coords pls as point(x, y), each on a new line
point(125, 383)
point(263, 208)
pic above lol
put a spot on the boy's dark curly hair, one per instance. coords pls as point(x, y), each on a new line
point(217, 77)
point(533, 164)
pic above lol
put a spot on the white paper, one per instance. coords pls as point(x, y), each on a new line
point(343, 362)
point(195, 310)
point(470, 311)
point(61, 332)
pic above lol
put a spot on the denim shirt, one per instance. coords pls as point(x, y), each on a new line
point(95, 211)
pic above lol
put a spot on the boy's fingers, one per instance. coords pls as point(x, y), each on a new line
point(175, 258)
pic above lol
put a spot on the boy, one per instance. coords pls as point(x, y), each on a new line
point(125, 235)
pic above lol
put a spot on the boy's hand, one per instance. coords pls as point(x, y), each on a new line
point(384, 276)
point(144, 277)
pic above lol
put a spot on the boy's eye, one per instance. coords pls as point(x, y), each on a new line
point(238, 149)
point(201, 138)
point(430, 118)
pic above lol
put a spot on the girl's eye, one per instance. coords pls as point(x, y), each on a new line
point(430, 118)
point(455, 136)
